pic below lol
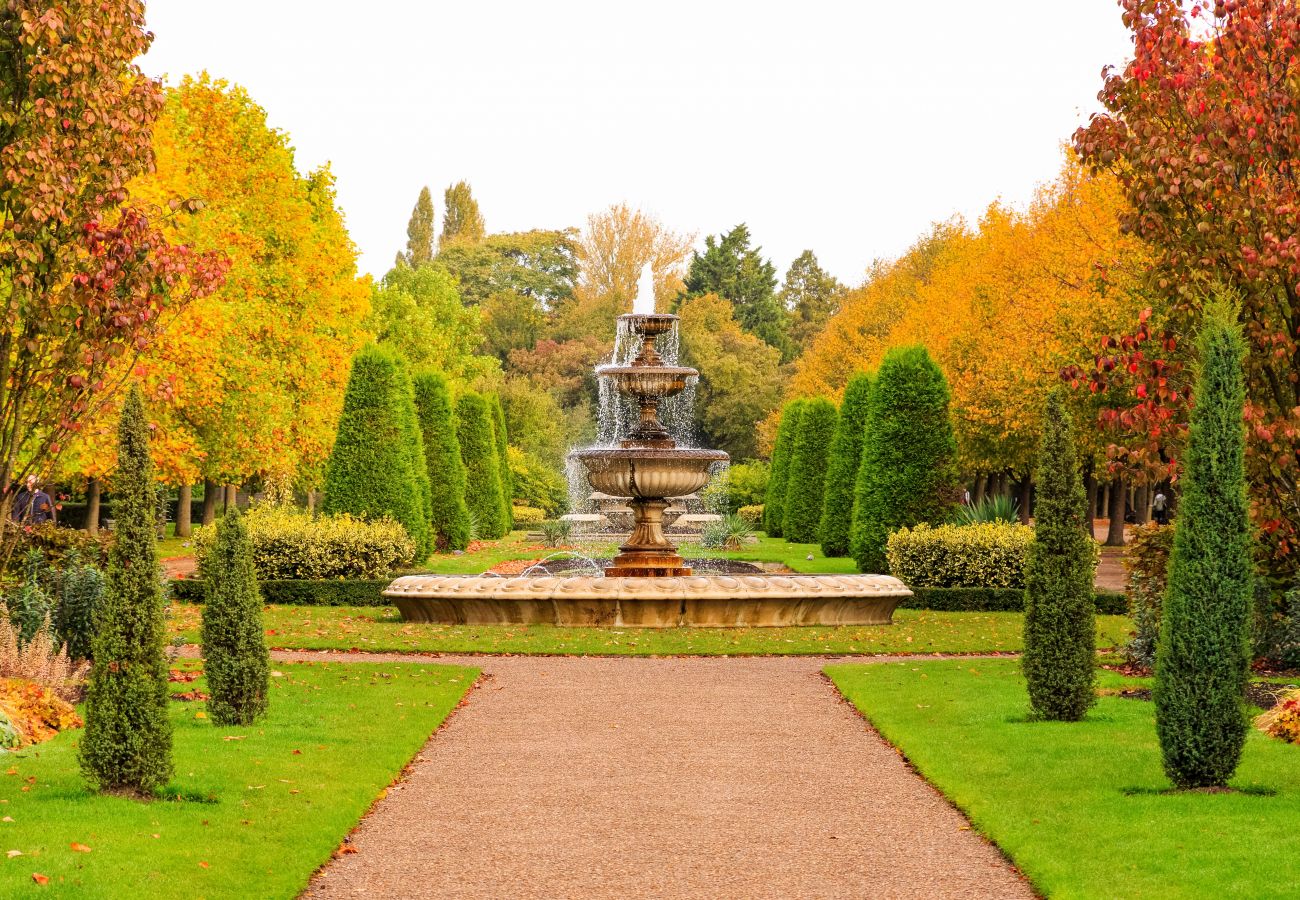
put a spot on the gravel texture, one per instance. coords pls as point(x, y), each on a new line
point(689, 777)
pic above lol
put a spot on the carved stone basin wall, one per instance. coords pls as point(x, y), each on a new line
point(696, 600)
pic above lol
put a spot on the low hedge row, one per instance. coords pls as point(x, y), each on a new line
point(979, 599)
point(335, 592)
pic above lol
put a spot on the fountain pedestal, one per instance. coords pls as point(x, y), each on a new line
point(648, 553)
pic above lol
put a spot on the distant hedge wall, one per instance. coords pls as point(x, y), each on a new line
point(959, 599)
point(342, 592)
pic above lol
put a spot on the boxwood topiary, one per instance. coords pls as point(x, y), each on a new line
point(806, 472)
point(235, 658)
point(478, 450)
point(446, 471)
point(842, 467)
point(774, 502)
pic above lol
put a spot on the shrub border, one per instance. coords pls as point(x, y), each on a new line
point(979, 599)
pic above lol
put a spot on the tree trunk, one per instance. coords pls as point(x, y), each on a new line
point(183, 510)
point(92, 506)
point(1118, 498)
point(209, 501)
point(311, 501)
point(1025, 499)
point(232, 497)
point(1091, 484)
point(1142, 505)
point(977, 495)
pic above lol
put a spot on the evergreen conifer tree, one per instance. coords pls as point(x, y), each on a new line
point(127, 745)
point(449, 515)
point(1060, 625)
point(842, 467)
point(774, 503)
point(235, 657)
point(478, 450)
point(806, 472)
point(419, 232)
point(377, 466)
point(462, 221)
point(1202, 659)
point(502, 441)
point(908, 473)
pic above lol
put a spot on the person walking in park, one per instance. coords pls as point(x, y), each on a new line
point(1160, 508)
point(33, 506)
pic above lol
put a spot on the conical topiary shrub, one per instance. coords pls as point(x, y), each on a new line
point(774, 502)
point(842, 467)
point(806, 472)
point(127, 746)
point(1202, 659)
point(482, 470)
point(377, 466)
point(502, 440)
point(1060, 628)
point(449, 515)
point(907, 475)
point(235, 658)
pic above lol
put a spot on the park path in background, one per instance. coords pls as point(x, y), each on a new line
point(675, 777)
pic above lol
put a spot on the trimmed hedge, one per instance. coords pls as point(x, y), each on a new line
point(974, 599)
point(782, 450)
point(806, 474)
point(502, 440)
point(449, 514)
point(332, 592)
point(483, 485)
point(842, 467)
point(991, 554)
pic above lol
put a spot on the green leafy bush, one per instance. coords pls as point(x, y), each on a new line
point(842, 467)
point(478, 449)
point(127, 744)
point(1060, 658)
point(31, 605)
point(1147, 563)
point(449, 517)
point(752, 515)
point(528, 516)
point(79, 589)
point(538, 484)
point(907, 475)
point(806, 473)
point(998, 508)
point(988, 555)
point(978, 599)
point(782, 450)
point(377, 468)
point(737, 485)
point(288, 543)
point(235, 659)
point(1203, 657)
point(332, 592)
point(55, 542)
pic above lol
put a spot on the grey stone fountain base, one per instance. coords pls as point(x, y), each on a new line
point(715, 601)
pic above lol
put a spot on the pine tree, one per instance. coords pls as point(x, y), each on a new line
point(907, 475)
point(1202, 660)
point(733, 270)
point(235, 658)
point(419, 232)
point(483, 494)
point(810, 296)
point(502, 440)
point(806, 472)
point(1060, 626)
point(377, 467)
point(450, 515)
point(127, 747)
point(462, 221)
point(842, 467)
point(774, 504)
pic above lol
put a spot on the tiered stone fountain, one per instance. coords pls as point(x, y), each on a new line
point(649, 584)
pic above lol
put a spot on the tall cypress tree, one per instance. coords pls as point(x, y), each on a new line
point(377, 466)
point(774, 503)
point(482, 470)
point(449, 514)
point(235, 658)
point(806, 473)
point(1060, 625)
point(419, 232)
point(462, 220)
point(908, 471)
point(502, 440)
point(1202, 659)
point(127, 747)
point(842, 467)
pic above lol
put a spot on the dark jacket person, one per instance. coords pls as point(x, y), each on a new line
point(33, 506)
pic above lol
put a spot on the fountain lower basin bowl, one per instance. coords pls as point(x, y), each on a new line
point(648, 473)
point(717, 601)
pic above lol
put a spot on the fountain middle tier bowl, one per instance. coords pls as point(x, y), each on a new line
point(648, 381)
point(649, 324)
point(648, 473)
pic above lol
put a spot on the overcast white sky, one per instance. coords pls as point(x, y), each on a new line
point(845, 127)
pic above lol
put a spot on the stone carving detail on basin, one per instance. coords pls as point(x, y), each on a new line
point(701, 600)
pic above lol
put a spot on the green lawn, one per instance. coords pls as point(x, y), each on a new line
point(381, 629)
point(266, 805)
point(1080, 807)
point(517, 546)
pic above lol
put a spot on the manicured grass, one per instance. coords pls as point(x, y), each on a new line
point(265, 807)
point(381, 629)
point(517, 546)
point(1081, 807)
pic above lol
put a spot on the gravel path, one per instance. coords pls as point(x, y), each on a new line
point(690, 777)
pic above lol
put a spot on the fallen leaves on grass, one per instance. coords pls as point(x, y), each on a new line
point(79, 848)
point(40, 879)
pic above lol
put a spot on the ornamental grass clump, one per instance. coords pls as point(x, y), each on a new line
point(127, 747)
point(777, 482)
point(1202, 660)
point(842, 467)
point(806, 473)
point(1060, 622)
point(235, 658)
